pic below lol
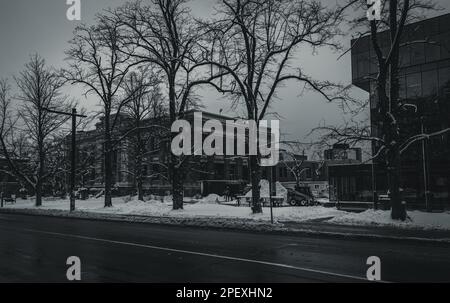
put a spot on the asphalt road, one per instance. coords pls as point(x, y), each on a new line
point(35, 249)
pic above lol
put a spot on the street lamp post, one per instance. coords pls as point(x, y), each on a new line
point(425, 168)
point(74, 116)
point(374, 189)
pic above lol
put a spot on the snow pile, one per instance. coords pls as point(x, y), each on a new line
point(211, 199)
point(198, 210)
point(417, 219)
point(63, 204)
point(135, 207)
point(265, 190)
point(301, 214)
point(322, 200)
point(214, 211)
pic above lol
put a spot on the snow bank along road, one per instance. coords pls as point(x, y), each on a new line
point(35, 249)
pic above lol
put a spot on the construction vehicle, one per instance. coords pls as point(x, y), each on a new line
point(300, 196)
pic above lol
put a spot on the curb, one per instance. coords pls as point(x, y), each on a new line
point(219, 224)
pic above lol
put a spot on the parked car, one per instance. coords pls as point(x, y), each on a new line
point(300, 196)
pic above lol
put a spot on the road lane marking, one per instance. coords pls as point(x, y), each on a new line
point(202, 254)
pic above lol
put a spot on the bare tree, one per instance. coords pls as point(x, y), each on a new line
point(39, 90)
point(14, 143)
point(254, 42)
point(163, 34)
point(97, 63)
point(146, 111)
point(294, 158)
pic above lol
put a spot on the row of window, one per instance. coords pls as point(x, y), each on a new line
point(417, 31)
point(425, 84)
point(436, 48)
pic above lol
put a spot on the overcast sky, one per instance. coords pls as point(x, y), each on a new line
point(28, 26)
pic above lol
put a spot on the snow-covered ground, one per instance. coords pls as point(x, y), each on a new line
point(417, 219)
point(208, 207)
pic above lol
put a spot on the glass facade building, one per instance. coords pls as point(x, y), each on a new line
point(425, 83)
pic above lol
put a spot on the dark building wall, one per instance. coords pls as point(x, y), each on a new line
point(343, 152)
point(354, 182)
point(425, 83)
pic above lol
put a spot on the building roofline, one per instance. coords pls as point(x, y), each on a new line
point(406, 25)
point(192, 111)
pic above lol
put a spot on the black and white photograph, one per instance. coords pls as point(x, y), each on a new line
point(224, 148)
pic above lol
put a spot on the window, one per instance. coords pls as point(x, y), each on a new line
point(432, 49)
point(402, 87)
point(374, 131)
point(413, 83)
point(308, 173)
point(417, 53)
point(361, 45)
point(373, 64)
point(429, 83)
point(362, 61)
point(431, 26)
point(445, 45)
point(444, 81)
point(373, 95)
point(404, 58)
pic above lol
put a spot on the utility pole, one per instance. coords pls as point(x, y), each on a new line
point(73, 160)
point(374, 189)
point(270, 193)
point(73, 153)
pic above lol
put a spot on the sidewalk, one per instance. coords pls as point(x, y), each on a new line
point(374, 231)
point(308, 228)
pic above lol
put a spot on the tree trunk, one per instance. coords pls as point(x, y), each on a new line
point(394, 165)
point(138, 164)
point(40, 176)
point(398, 212)
point(255, 176)
point(140, 190)
point(175, 172)
point(38, 192)
point(255, 169)
point(177, 184)
point(139, 173)
point(107, 173)
point(392, 157)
